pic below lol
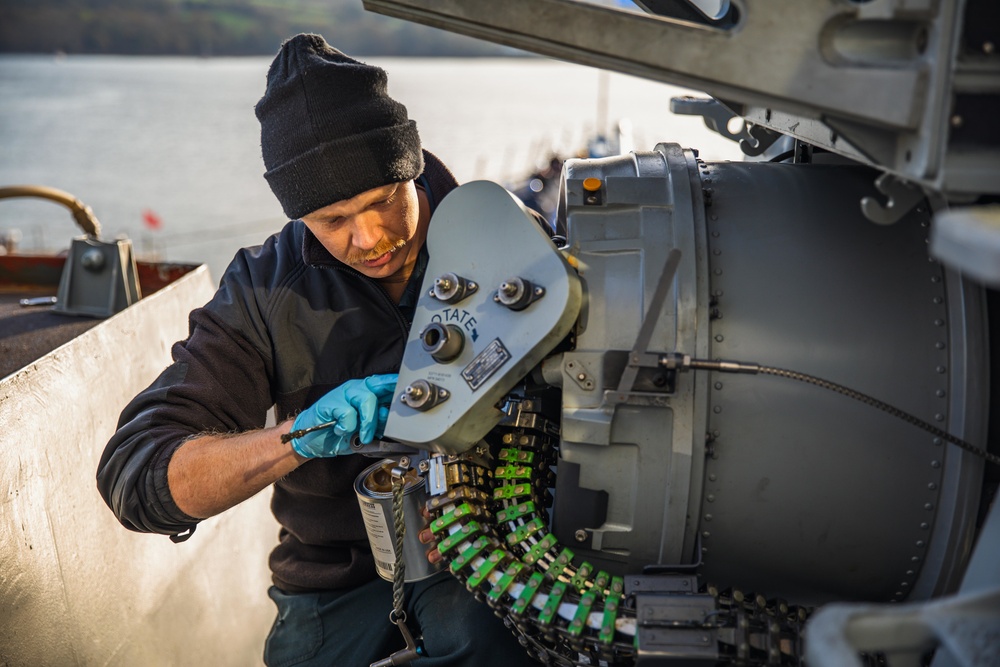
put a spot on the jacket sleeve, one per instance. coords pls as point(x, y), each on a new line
point(218, 383)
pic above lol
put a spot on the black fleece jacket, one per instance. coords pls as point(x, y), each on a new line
point(288, 324)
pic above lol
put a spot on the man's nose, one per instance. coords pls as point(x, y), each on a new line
point(367, 232)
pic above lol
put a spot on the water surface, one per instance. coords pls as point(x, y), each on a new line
point(178, 137)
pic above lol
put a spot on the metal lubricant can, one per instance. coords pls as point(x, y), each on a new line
point(374, 489)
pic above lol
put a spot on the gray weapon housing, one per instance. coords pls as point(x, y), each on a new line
point(872, 264)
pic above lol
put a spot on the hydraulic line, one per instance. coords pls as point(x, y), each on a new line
point(682, 362)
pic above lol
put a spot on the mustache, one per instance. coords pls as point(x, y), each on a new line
point(357, 256)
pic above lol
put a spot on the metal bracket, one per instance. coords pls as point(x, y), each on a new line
point(639, 355)
point(761, 138)
point(437, 477)
point(99, 278)
point(580, 374)
point(676, 627)
point(901, 198)
point(715, 114)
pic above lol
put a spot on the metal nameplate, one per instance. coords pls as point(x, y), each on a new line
point(485, 364)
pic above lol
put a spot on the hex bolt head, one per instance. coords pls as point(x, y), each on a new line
point(517, 293)
point(423, 395)
point(452, 288)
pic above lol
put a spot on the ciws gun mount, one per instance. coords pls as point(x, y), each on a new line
point(733, 413)
point(615, 509)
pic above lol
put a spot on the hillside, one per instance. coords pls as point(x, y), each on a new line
point(216, 28)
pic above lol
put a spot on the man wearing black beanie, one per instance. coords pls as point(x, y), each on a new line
point(313, 322)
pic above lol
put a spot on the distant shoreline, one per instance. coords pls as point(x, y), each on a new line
point(209, 28)
point(442, 56)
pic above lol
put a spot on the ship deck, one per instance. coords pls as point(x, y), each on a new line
point(28, 333)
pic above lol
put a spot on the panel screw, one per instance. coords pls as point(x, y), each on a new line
point(580, 535)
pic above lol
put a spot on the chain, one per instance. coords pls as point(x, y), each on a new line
point(399, 526)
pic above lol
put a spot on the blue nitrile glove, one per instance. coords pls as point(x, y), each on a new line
point(354, 404)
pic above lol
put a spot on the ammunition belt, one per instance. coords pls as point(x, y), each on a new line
point(492, 530)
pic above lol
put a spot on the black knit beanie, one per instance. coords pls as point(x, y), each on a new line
point(328, 129)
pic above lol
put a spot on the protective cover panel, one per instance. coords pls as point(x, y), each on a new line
point(482, 233)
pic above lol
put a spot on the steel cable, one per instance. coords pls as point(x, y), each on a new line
point(881, 405)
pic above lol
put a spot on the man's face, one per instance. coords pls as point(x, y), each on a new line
point(378, 232)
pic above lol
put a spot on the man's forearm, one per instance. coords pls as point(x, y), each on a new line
point(212, 473)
